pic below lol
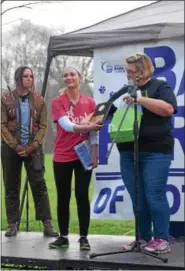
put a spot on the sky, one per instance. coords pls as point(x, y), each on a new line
point(69, 15)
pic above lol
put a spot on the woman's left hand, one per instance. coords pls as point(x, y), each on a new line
point(27, 151)
point(22, 153)
point(128, 99)
point(94, 159)
point(95, 162)
point(86, 120)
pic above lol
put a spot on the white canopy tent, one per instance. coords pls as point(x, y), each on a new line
point(157, 12)
point(154, 22)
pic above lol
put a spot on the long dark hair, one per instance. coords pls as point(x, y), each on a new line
point(18, 76)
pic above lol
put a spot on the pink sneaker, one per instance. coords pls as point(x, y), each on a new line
point(158, 246)
point(141, 241)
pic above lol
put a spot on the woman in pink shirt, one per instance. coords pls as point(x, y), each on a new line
point(69, 112)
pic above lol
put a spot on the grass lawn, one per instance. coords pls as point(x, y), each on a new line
point(114, 227)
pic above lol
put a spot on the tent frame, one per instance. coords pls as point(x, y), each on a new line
point(83, 44)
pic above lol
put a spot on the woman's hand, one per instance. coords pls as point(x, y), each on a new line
point(94, 162)
point(86, 120)
point(20, 150)
point(29, 150)
point(24, 151)
point(94, 155)
point(94, 126)
point(128, 99)
point(85, 128)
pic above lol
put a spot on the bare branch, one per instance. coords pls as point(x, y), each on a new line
point(26, 5)
point(21, 6)
point(13, 21)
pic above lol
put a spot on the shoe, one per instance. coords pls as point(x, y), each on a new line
point(48, 229)
point(158, 246)
point(12, 230)
point(61, 242)
point(142, 244)
point(84, 244)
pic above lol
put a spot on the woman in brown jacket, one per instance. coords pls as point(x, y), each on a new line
point(23, 128)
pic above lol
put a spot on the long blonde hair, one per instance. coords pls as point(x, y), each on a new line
point(62, 91)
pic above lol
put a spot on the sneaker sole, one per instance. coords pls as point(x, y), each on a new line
point(85, 248)
point(163, 251)
point(159, 251)
point(50, 235)
point(58, 247)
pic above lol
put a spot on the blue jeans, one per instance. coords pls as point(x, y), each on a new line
point(153, 209)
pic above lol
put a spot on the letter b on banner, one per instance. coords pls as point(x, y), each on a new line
point(168, 55)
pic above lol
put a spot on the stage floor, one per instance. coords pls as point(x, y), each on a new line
point(31, 248)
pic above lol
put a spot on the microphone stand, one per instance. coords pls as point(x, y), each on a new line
point(24, 194)
point(136, 245)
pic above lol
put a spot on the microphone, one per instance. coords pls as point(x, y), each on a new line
point(131, 85)
point(125, 89)
point(106, 109)
point(118, 93)
point(132, 88)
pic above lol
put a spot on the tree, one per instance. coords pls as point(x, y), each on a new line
point(27, 45)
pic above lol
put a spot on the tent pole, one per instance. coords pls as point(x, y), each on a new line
point(49, 58)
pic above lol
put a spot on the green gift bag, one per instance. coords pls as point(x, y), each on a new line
point(126, 133)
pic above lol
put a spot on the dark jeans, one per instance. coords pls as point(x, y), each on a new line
point(12, 167)
point(63, 178)
point(153, 204)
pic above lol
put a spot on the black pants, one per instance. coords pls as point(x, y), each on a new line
point(12, 165)
point(63, 178)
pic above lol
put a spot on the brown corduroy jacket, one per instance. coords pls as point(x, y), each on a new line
point(11, 131)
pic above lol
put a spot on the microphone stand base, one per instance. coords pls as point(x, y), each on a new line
point(136, 248)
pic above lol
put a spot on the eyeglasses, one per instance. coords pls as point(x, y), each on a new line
point(26, 76)
point(133, 59)
point(130, 71)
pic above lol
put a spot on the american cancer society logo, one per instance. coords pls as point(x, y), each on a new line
point(109, 68)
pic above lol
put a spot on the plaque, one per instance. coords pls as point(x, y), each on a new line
point(101, 112)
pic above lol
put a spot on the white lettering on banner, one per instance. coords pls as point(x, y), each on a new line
point(110, 199)
point(76, 120)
